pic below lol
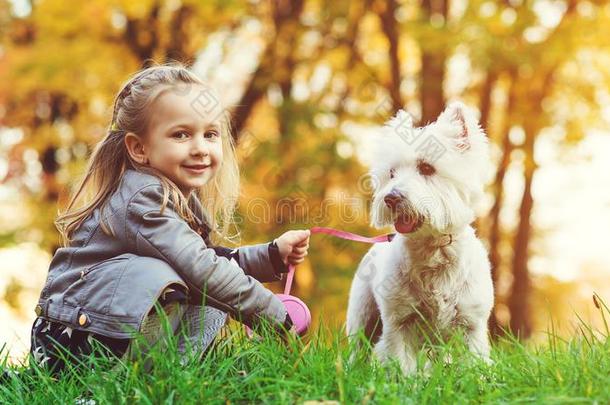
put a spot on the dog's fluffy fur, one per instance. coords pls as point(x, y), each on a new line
point(434, 276)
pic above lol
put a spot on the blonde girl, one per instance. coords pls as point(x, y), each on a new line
point(143, 227)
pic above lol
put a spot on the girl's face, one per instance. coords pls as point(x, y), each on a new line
point(183, 140)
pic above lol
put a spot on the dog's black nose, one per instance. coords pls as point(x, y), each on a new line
point(393, 198)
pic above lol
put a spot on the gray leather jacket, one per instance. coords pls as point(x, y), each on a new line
point(107, 285)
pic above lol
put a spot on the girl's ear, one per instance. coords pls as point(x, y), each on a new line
point(135, 148)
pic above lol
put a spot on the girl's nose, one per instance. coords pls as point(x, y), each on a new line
point(200, 146)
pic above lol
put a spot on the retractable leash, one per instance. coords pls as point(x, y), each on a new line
point(298, 311)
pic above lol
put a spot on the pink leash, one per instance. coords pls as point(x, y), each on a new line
point(339, 234)
point(298, 311)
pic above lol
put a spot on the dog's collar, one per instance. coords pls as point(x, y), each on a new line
point(443, 241)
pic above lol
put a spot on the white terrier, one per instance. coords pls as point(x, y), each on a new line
point(434, 275)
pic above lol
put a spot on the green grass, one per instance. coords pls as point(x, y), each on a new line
point(319, 369)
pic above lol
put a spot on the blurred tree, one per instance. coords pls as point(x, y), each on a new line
point(537, 84)
point(276, 62)
point(435, 43)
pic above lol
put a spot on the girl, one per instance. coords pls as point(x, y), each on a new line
point(139, 230)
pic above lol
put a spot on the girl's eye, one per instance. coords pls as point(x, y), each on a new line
point(180, 135)
point(211, 134)
point(392, 173)
point(425, 169)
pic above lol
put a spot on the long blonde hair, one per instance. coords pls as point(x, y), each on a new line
point(110, 160)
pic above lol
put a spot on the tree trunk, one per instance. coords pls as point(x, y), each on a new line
point(495, 233)
point(178, 47)
point(387, 14)
point(485, 104)
point(286, 16)
point(144, 46)
point(485, 108)
point(433, 68)
point(518, 303)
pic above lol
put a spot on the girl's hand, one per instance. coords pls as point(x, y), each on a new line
point(293, 246)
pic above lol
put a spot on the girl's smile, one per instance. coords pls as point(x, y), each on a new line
point(196, 169)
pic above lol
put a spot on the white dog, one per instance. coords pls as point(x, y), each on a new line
point(434, 275)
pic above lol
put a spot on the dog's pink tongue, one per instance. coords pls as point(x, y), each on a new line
point(404, 225)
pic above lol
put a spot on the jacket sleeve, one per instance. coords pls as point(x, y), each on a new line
point(262, 261)
point(223, 284)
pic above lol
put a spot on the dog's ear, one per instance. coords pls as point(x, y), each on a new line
point(400, 128)
point(461, 117)
point(401, 119)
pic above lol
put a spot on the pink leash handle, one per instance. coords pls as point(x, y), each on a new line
point(338, 234)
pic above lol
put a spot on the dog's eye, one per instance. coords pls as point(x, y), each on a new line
point(425, 169)
point(392, 173)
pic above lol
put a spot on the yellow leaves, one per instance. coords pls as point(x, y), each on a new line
point(64, 20)
point(304, 274)
point(136, 9)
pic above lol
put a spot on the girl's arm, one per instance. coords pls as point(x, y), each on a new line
point(262, 261)
point(223, 284)
point(267, 262)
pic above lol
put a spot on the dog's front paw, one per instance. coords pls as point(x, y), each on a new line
point(408, 364)
point(408, 367)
